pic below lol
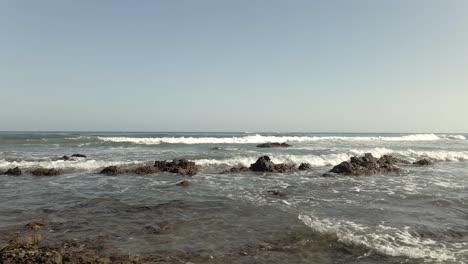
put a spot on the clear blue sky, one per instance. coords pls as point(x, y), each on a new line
point(243, 65)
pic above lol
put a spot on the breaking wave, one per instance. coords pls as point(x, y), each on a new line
point(73, 165)
point(255, 139)
point(334, 159)
point(386, 240)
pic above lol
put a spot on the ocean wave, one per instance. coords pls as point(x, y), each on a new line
point(255, 139)
point(386, 240)
point(334, 159)
point(75, 165)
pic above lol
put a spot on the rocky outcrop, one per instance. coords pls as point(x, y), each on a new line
point(423, 162)
point(47, 172)
point(367, 165)
point(181, 166)
point(264, 164)
point(145, 170)
point(305, 166)
point(273, 145)
point(112, 171)
point(78, 156)
point(14, 172)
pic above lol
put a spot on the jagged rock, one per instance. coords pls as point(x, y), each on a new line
point(264, 164)
point(112, 171)
point(423, 162)
point(183, 183)
point(305, 166)
point(273, 145)
point(47, 172)
point(145, 170)
point(79, 155)
point(237, 169)
point(367, 165)
point(181, 166)
point(14, 172)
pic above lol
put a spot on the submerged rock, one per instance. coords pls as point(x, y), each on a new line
point(264, 164)
point(423, 162)
point(367, 165)
point(14, 172)
point(273, 145)
point(237, 169)
point(112, 171)
point(181, 166)
point(305, 166)
point(47, 172)
point(277, 193)
point(184, 183)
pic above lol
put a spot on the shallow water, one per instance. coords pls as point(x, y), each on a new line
point(419, 216)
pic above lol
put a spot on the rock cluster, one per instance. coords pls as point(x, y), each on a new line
point(264, 164)
point(181, 166)
point(47, 172)
point(14, 172)
point(367, 165)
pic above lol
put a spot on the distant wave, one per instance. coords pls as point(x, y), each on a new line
point(384, 239)
point(255, 139)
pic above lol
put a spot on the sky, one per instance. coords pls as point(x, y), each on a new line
point(244, 65)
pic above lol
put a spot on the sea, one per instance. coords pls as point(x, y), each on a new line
point(419, 215)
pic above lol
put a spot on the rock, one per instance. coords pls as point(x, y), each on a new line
point(237, 169)
point(145, 170)
point(277, 193)
point(215, 148)
point(305, 166)
point(273, 145)
point(79, 155)
point(183, 183)
point(14, 172)
point(47, 172)
point(181, 166)
point(367, 165)
point(111, 171)
point(423, 162)
point(264, 164)
point(65, 158)
point(29, 255)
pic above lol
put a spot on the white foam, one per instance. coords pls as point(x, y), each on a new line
point(255, 139)
point(334, 159)
point(80, 164)
point(386, 240)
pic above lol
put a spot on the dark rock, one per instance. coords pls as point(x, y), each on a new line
point(264, 164)
point(423, 162)
point(47, 172)
point(65, 158)
point(145, 170)
point(215, 148)
point(79, 155)
point(389, 159)
point(15, 172)
point(237, 169)
point(181, 166)
point(305, 166)
point(277, 193)
point(367, 165)
point(183, 183)
point(112, 171)
point(273, 145)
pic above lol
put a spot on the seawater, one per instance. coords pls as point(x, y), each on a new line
point(417, 216)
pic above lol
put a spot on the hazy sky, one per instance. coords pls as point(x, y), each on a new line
point(240, 65)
